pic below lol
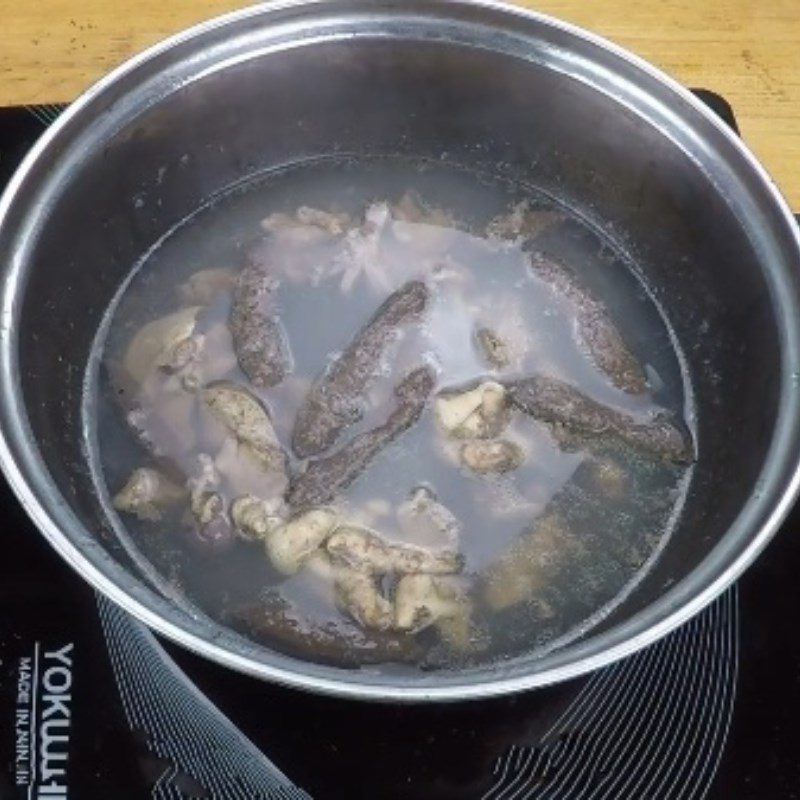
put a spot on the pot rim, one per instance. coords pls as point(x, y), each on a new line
point(13, 435)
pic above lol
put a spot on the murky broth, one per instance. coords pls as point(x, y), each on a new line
point(392, 412)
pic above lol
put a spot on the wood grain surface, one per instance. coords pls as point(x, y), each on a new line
point(748, 50)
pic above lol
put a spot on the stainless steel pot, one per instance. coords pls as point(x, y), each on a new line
point(478, 84)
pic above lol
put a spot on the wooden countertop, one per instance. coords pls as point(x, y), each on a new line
point(748, 50)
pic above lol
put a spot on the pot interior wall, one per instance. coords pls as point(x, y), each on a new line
point(441, 101)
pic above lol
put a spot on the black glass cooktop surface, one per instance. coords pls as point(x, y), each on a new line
point(92, 705)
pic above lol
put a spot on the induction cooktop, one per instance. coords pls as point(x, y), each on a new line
point(93, 705)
